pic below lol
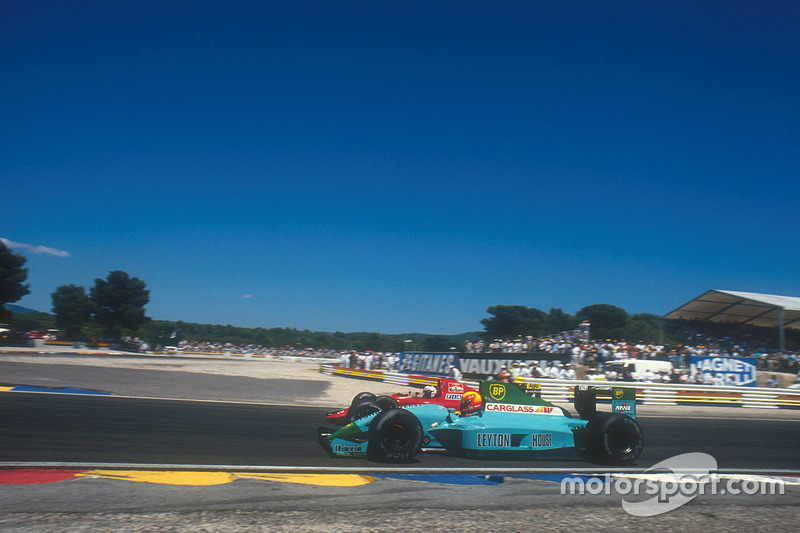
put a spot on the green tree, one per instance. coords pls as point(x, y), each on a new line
point(12, 276)
point(73, 309)
point(437, 343)
point(607, 321)
point(559, 321)
point(119, 301)
point(513, 320)
point(642, 327)
point(32, 321)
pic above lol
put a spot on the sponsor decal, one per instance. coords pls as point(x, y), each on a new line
point(455, 387)
point(494, 440)
point(514, 408)
point(618, 393)
point(623, 407)
point(487, 365)
point(453, 396)
point(497, 392)
point(542, 440)
point(732, 371)
point(426, 362)
point(342, 448)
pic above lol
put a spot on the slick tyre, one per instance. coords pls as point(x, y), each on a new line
point(361, 410)
point(394, 436)
point(614, 438)
point(362, 397)
point(386, 402)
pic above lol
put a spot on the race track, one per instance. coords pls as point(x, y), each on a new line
point(261, 416)
point(90, 429)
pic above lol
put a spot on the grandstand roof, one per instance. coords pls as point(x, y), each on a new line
point(741, 308)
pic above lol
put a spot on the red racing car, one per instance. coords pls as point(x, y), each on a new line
point(446, 393)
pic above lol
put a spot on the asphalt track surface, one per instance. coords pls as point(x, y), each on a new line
point(258, 417)
point(89, 429)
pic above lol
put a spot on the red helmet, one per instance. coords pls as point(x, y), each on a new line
point(471, 402)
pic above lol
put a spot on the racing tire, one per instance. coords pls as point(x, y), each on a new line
point(386, 402)
point(361, 410)
point(614, 438)
point(394, 436)
point(362, 397)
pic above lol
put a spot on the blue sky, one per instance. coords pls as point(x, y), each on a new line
point(401, 166)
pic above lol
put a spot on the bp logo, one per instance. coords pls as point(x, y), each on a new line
point(497, 392)
point(618, 393)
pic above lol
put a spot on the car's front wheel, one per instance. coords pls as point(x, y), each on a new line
point(395, 435)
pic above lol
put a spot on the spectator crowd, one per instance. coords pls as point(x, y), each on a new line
point(589, 357)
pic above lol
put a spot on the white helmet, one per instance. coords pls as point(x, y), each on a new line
point(429, 391)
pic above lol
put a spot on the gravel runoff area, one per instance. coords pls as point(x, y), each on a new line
point(541, 518)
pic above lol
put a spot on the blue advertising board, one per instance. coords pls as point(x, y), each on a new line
point(734, 371)
point(472, 365)
point(426, 362)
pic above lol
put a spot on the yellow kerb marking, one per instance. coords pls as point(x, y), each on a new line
point(219, 478)
point(165, 477)
point(324, 480)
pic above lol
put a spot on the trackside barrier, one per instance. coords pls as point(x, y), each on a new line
point(556, 390)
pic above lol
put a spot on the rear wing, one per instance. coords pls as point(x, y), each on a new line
point(623, 400)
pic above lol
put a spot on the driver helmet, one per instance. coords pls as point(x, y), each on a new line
point(429, 391)
point(471, 402)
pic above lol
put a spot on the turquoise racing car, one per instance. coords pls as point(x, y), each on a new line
point(501, 421)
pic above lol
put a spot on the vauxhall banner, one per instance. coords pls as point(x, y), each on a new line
point(472, 365)
point(734, 371)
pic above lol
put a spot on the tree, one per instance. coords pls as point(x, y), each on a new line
point(436, 343)
point(559, 321)
point(513, 320)
point(119, 301)
point(607, 321)
point(643, 327)
point(73, 309)
point(12, 276)
point(32, 321)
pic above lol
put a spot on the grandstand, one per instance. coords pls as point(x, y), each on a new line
point(743, 309)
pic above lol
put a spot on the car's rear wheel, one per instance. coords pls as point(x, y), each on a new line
point(395, 435)
point(614, 438)
point(362, 397)
point(361, 410)
point(386, 402)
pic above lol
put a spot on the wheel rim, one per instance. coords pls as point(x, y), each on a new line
point(396, 439)
point(623, 440)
